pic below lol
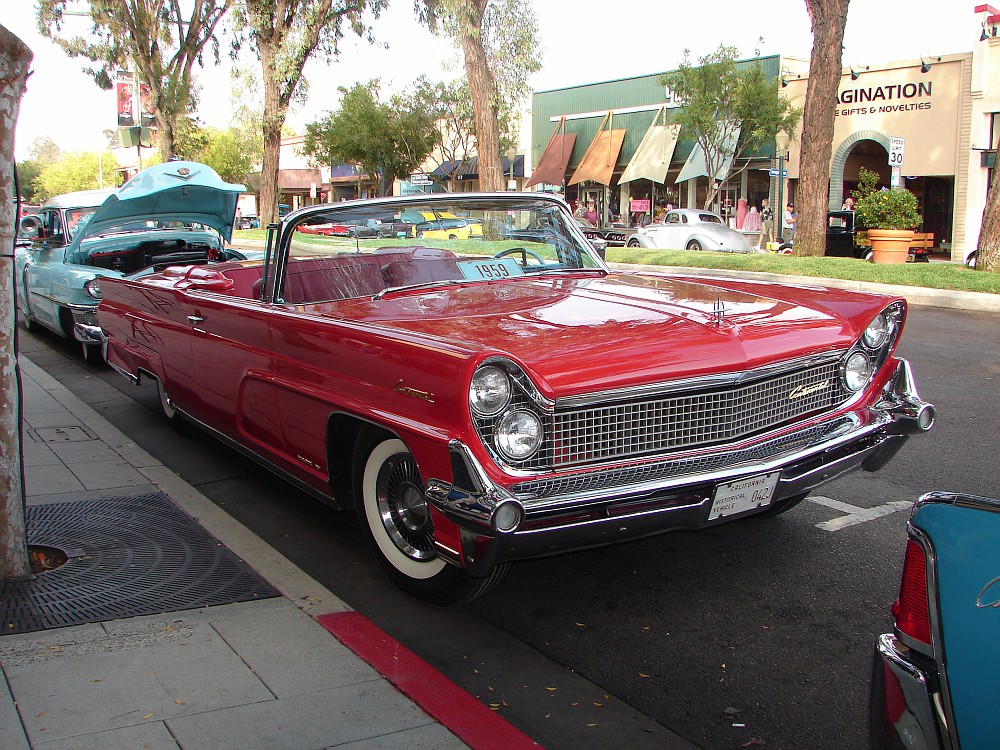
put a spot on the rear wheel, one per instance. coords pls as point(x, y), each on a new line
point(694, 245)
point(633, 242)
point(395, 518)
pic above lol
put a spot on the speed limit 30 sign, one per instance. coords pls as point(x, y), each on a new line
point(895, 152)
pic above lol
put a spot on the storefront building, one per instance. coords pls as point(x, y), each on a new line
point(944, 108)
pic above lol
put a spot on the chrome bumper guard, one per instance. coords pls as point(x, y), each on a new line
point(500, 525)
point(918, 722)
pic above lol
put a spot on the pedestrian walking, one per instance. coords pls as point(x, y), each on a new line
point(766, 225)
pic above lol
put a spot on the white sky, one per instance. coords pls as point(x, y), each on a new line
point(582, 41)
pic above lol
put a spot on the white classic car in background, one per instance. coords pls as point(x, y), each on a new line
point(691, 229)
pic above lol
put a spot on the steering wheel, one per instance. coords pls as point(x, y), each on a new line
point(523, 252)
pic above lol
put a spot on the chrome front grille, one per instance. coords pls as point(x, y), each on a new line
point(687, 420)
point(676, 417)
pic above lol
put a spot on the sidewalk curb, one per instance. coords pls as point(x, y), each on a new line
point(295, 585)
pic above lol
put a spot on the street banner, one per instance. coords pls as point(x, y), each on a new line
point(125, 94)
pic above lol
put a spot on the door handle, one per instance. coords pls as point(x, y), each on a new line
point(195, 320)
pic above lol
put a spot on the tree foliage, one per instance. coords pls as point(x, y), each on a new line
point(78, 171)
point(388, 139)
point(731, 109)
point(498, 39)
point(284, 35)
point(28, 172)
point(234, 153)
point(153, 37)
point(813, 200)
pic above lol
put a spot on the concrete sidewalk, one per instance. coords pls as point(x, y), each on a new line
point(253, 674)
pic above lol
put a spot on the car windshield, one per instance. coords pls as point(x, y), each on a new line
point(373, 248)
point(76, 220)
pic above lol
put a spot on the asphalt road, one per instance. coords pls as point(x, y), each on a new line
point(760, 630)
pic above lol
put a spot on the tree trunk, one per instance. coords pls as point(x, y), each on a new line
point(829, 17)
point(15, 58)
point(274, 119)
point(483, 88)
point(988, 249)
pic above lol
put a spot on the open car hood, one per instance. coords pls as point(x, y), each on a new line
point(177, 191)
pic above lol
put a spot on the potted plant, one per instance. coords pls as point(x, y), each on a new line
point(889, 216)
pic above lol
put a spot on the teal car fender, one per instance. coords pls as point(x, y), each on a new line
point(936, 675)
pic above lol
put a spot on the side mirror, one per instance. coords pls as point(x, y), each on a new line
point(30, 225)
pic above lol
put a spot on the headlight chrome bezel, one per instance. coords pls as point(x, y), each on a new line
point(504, 436)
point(875, 344)
point(494, 428)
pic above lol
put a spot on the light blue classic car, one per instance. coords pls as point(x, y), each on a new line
point(936, 678)
point(176, 213)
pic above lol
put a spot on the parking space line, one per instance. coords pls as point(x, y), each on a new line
point(855, 515)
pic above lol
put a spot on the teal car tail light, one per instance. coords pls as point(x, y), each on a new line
point(912, 609)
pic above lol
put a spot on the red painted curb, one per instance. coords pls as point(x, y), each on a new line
point(472, 722)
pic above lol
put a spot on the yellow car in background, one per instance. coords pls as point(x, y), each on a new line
point(442, 225)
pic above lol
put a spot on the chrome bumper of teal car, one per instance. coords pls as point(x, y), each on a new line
point(906, 708)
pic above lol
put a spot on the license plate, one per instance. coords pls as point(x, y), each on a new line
point(743, 495)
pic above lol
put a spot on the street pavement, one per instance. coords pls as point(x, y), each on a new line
point(268, 673)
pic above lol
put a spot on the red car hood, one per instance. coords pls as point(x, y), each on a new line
point(579, 334)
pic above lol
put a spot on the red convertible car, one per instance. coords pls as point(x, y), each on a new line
point(507, 396)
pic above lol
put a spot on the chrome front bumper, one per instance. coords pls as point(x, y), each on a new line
point(534, 519)
point(906, 710)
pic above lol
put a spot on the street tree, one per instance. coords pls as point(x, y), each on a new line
point(829, 18)
point(731, 110)
point(284, 35)
point(455, 121)
point(15, 57)
point(384, 139)
point(153, 37)
point(43, 149)
point(498, 40)
point(80, 170)
point(988, 249)
point(234, 153)
point(28, 172)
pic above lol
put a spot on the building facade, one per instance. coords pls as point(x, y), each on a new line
point(945, 109)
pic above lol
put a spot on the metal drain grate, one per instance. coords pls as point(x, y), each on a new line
point(130, 556)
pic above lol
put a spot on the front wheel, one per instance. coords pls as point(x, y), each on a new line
point(395, 518)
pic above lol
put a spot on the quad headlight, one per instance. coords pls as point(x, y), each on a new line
point(508, 413)
point(489, 392)
point(857, 371)
point(519, 434)
point(876, 332)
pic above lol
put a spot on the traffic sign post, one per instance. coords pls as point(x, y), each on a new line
point(895, 152)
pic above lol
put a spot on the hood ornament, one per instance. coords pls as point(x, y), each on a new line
point(719, 310)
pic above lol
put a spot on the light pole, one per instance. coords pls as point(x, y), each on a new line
point(781, 141)
point(511, 156)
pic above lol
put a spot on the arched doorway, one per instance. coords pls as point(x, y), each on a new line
point(866, 148)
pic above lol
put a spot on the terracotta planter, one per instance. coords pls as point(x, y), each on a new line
point(890, 245)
